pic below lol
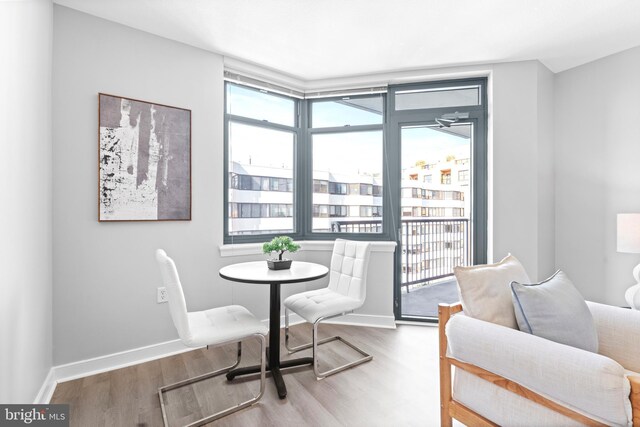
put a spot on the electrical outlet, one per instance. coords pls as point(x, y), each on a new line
point(162, 295)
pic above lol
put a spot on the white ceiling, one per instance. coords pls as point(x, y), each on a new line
point(317, 39)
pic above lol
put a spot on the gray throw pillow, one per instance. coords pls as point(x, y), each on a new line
point(555, 310)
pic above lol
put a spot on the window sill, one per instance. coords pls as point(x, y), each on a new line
point(241, 249)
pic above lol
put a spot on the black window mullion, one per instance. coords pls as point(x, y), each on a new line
point(346, 129)
point(259, 123)
point(303, 181)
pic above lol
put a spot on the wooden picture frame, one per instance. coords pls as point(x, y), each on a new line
point(144, 160)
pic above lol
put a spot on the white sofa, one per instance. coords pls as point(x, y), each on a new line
point(506, 377)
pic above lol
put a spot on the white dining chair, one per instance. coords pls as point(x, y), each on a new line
point(346, 292)
point(214, 327)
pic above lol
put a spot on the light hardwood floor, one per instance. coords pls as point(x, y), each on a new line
point(399, 387)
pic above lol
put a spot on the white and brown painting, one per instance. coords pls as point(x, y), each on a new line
point(145, 161)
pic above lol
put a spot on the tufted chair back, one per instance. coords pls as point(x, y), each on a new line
point(349, 264)
point(177, 303)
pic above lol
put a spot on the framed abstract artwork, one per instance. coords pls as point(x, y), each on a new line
point(144, 161)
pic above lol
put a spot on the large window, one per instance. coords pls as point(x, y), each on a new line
point(347, 111)
point(254, 104)
point(330, 166)
point(438, 97)
point(355, 157)
point(261, 145)
point(346, 137)
point(269, 137)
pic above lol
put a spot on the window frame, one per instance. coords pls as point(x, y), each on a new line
point(303, 171)
point(303, 165)
point(386, 234)
point(297, 136)
point(478, 117)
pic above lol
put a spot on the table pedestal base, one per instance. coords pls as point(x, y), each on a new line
point(305, 271)
point(275, 372)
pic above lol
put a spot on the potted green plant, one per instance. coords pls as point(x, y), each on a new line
point(280, 244)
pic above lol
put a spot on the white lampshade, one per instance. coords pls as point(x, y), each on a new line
point(629, 233)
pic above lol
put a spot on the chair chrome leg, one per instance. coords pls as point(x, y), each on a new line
point(238, 355)
point(315, 343)
point(286, 336)
point(286, 331)
point(220, 414)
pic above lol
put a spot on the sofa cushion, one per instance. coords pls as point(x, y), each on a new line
point(555, 310)
point(485, 293)
point(586, 382)
point(503, 407)
point(618, 333)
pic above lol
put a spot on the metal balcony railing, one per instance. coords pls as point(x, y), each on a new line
point(431, 247)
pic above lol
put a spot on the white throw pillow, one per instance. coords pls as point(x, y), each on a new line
point(485, 293)
point(555, 310)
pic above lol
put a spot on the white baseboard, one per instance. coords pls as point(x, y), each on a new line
point(109, 362)
point(370, 320)
point(354, 319)
point(46, 391)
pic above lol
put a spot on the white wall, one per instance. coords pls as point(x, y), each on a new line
point(546, 176)
point(597, 171)
point(25, 198)
point(514, 153)
point(522, 156)
point(104, 274)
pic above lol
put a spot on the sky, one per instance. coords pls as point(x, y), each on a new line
point(430, 145)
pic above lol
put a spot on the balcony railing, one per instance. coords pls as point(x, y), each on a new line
point(371, 226)
point(431, 247)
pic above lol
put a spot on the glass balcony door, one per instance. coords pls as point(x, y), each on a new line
point(439, 202)
point(435, 206)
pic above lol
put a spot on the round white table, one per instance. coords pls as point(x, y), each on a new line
point(257, 272)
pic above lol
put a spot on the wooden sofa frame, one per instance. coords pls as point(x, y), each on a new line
point(450, 409)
